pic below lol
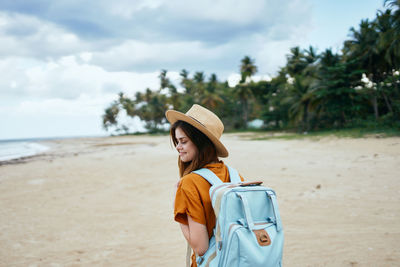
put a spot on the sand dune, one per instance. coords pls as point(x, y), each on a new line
point(108, 201)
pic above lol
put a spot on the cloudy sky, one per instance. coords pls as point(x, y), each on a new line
point(62, 62)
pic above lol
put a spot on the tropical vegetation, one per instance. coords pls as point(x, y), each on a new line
point(358, 86)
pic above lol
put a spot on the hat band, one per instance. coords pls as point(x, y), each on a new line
point(198, 121)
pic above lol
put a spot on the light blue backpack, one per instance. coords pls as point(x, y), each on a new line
point(248, 231)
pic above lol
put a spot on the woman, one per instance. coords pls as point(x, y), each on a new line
point(196, 137)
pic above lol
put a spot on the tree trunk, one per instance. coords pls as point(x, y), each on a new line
point(375, 105)
point(305, 118)
point(374, 99)
point(244, 104)
point(343, 118)
point(389, 106)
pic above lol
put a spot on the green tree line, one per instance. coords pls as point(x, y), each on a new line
point(313, 91)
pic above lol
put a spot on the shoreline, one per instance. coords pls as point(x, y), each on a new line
point(72, 146)
point(52, 144)
point(13, 151)
point(108, 201)
point(21, 150)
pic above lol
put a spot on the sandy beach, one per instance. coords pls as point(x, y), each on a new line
point(108, 201)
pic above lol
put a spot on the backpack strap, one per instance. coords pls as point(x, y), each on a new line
point(272, 196)
point(188, 254)
point(234, 175)
point(209, 176)
point(246, 209)
point(213, 179)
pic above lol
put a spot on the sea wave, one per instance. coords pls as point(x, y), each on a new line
point(17, 149)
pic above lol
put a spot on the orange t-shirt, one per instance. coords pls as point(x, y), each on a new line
point(193, 199)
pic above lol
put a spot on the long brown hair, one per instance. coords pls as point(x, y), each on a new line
point(206, 149)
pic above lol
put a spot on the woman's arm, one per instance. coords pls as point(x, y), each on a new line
point(197, 236)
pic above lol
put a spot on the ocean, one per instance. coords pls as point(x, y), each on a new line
point(14, 149)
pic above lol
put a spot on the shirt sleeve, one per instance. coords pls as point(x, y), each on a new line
point(188, 202)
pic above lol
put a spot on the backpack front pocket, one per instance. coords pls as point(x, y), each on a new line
point(246, 248)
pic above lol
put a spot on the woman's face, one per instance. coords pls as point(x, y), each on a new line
point(186, 148)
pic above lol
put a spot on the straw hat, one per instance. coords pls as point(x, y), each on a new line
point(203, 120)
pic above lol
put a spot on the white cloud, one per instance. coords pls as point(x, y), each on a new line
point(65, 97)
point(13, 84)
point(238, 12)
point(179, 35)
point(28, 36)
point(265, 77)
point(233, 79)
point(268, 62)
point(86, 56)
point(68, 78)
point(126, 9)
point(174, 32)
point(235, 12)
point(59, 117)
point(85, 104)
point(60, 69)
point(145, 55)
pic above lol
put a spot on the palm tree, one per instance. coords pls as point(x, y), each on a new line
point(164, 80)
point(110, 115)
point(213, 79)
point(243, 91)
point(152, 109)
point(362, 50)
point(296, 62)
point(186, 82)
point(199, 77)
point(310, 58)
point(389, 50)
point(174, 97)
point(389, 42)
point(127, 104)
point(211, 100)
point(362, 47)
point(299, 99)
point(395, 4)
point(247, 68)
point(211, 97)
point(147, 95)
point(198, 91)
point(332, 92)
point(184, 74)
point(310, 55)
point(244, 94)
point(187, 99)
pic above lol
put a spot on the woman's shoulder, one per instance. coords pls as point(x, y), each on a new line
point(189, 178)
point(192, 180)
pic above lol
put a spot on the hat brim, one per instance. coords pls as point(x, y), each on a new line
point(174, 116)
